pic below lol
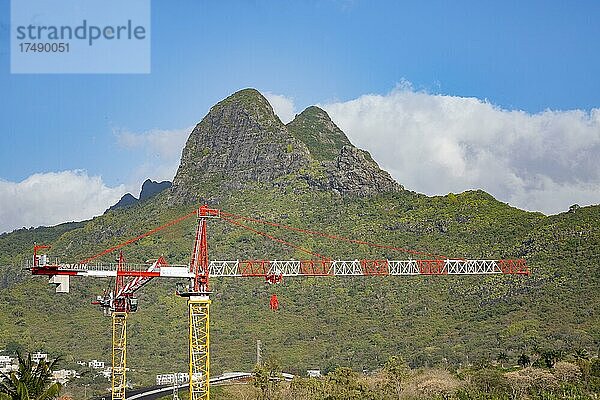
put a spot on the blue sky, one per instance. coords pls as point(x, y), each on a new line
point(517, 56)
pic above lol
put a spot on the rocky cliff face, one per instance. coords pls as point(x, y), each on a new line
point(344, 168)
point(355, 172)
point(151, 188)
point(242, 142)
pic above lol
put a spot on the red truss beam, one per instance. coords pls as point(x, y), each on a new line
point(254, 267)
point(518, 267)
point(432, 267)
point(375, 267)
point(316, 268)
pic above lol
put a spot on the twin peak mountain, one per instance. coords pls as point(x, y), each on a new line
point(241, 143)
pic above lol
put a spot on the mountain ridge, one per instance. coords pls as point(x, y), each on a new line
point(242, 141)
point(149, 189)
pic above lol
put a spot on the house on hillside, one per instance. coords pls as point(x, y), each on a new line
point(62, 376)
point(39, 356)
point(7, 364)
point(95, 364)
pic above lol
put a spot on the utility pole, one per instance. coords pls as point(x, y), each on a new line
point(258, 352)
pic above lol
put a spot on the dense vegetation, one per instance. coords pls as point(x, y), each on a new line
point(444, 321)
point(578, 378)
point(31, 381)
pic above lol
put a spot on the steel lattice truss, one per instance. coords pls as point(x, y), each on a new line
point(199, 348)
point(119, 356)
point(287, 268)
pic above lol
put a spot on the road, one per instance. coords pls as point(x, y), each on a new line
point(156, 392)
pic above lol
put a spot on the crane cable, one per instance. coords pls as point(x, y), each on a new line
point(135, 239)
point(302, 249)
point(334, 237)
point(231, 220)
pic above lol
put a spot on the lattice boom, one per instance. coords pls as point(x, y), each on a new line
point(299, 268)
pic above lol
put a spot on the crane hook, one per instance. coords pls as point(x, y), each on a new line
point(274, 303)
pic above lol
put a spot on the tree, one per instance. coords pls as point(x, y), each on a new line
point(524, 360)
point(519, 383)
point(550, 357)
point(502, 358)
point(307, 388)
point(343, 384)
point(436, 384)
point(13, 347)
point(567, 372)
point(541, 380)
point(396, 372)
point(267, 378)
point(490, 381)
point(30, 381)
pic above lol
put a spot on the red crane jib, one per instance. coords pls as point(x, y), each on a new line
point(200, 269)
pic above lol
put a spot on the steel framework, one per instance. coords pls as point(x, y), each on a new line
point(119, 355)
point(199, 320)
point(296, 268)
point(199, 309)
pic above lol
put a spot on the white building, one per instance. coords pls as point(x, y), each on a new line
point(39, 356)
point(7, 364)
point(313, 373)
point(5, 361)
point(62, 376)
point(170, 379)
point(95, 364)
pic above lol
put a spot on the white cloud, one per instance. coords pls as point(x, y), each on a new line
point(54, 197)
point(283, 106)
point(161, 148)
point(437, 144)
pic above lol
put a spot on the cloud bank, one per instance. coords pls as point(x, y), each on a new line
point(54, 197)
point(437, 144)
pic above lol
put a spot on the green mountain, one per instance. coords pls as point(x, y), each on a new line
point(314, 128)
point(241, 158)
point(241, 143)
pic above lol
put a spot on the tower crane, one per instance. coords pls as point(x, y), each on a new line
point(117, 304)
point(130, 278)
